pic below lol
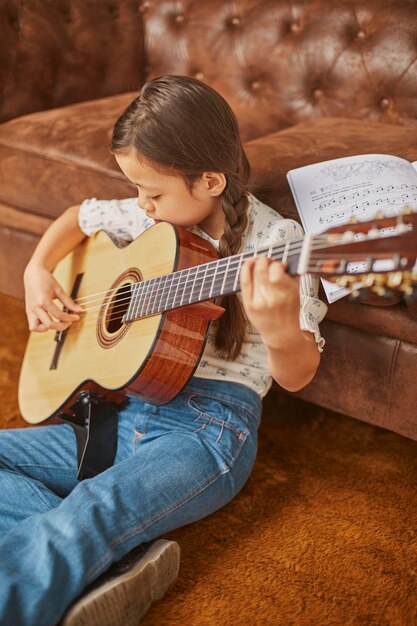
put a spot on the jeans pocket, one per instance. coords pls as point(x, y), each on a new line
point(219, 426)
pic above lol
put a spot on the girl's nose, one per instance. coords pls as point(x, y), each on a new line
point(144, 202)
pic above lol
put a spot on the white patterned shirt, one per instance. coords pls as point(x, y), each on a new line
point(123, 220)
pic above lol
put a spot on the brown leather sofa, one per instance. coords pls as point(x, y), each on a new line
point(309, 81)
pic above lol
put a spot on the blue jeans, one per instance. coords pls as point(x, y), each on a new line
point(174, 465)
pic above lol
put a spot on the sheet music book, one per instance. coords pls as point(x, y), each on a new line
point(330, 193)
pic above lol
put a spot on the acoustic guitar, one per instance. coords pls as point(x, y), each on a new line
point(147, 307)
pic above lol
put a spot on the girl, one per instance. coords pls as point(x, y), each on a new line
point(178, 143)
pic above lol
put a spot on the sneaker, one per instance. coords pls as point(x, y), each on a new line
point(122, 595)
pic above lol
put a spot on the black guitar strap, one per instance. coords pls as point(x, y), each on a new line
point(94, 420)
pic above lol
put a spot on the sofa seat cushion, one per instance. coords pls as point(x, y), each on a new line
point(390, 321)
point(50, 160)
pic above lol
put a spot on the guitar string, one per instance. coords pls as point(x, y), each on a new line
point(92, 321)
point(162, 289)
point(275, 248)
point(90, 299)
point(278, 247)
point(319, 242)
point(179, 274)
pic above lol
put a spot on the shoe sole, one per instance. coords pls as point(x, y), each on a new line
point(125, 599)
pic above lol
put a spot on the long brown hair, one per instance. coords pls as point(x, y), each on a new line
point(186, 127)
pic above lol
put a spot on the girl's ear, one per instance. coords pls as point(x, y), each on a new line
point(213, 182)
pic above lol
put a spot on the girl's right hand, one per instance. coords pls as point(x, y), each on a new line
point(41, 288)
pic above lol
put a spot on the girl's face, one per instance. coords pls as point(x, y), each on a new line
point(167, 197)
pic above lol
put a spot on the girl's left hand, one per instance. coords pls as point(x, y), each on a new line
point(271, 300)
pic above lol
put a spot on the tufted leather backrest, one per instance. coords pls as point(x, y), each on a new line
point(279, 62)
point(55, 52)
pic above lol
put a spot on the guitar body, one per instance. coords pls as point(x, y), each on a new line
point(153, 357)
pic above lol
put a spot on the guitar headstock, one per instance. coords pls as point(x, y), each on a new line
point(378, 255)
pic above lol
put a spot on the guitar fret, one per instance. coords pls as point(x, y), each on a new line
point(162, 296)
point(236, 280)
point(202, 284)
point(193, 285)
point(154, 292)
point(168, 298)
point(142, 301)
point(139, 289)
point(145, 309)
point(225, 276)
point(174, 299)
point(157, 293)
point(129, 313)
point(159, 289)
point(185, 287)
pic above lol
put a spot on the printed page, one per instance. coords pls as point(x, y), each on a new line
point(330, 193)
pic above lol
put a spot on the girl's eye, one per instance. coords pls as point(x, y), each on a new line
point(153, 197)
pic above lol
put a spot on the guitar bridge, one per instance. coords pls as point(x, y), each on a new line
point(60, 335)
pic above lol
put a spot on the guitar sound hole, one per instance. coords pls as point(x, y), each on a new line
point(118, 307)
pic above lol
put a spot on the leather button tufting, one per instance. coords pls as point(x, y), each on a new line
point(199, 75)
point(15, 24)
point(144, 6)
point(361, 34)
point(317, 93)
point(384, 103)
point(114, 11)
point(295, 27)
point(234, 21)
point(179, 18)
point(255, 85)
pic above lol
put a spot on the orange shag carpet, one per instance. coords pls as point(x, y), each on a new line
point(324, 533)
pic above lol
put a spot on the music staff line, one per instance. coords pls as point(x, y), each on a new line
point(409, 195)
point(364, 211)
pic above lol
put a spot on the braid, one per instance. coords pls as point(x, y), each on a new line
point(232, 325)
point(185, 127)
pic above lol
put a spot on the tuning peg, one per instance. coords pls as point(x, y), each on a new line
point(359, 295)
point(401, 226)
point(406, 210)
point(389, 293)
point(346, 281)
point(410, 294)
point(394, 279)
point(353, 220)
point(381, 291)
point(368, 280)
point(347, 236)
point(373, 233)
point(379, 215)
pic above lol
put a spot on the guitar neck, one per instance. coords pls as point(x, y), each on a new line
point(202, 282)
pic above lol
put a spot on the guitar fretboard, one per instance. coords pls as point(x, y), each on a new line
point(201, 282)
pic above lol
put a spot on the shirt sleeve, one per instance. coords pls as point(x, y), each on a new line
point(122, 219)
point(312, 309)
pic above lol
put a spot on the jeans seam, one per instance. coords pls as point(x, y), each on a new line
point(218, 421)
point(156, 517)
point(46, 467)
point(235, 405)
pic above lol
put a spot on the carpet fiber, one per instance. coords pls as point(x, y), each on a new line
point(323, 534)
